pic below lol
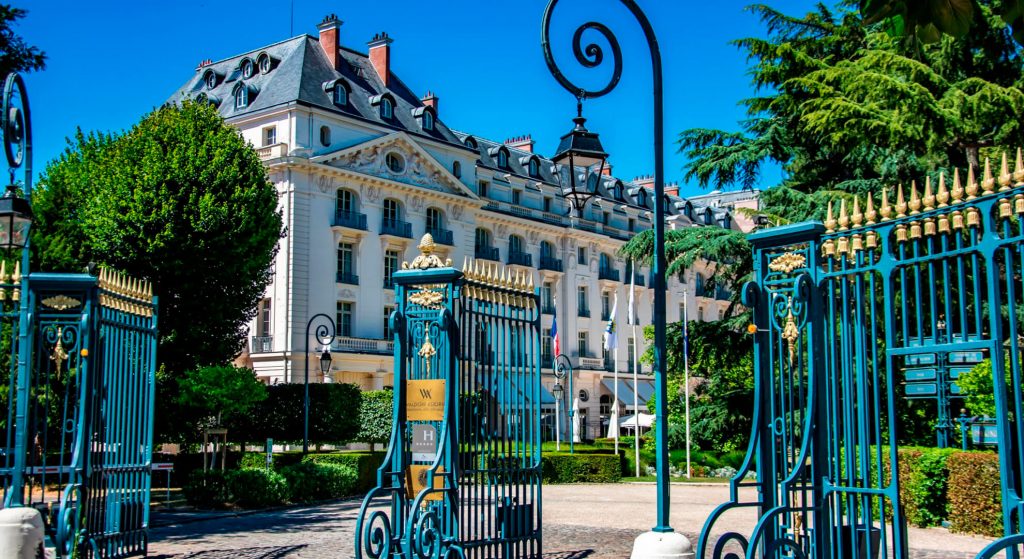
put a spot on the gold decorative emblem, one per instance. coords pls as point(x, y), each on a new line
point(59, 355)
point(790, 332)
point(427, 351)
point(427, 259)
point(61, 302)
point(427, 298)
point(788, 262)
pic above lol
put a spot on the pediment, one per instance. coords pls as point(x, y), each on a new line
point(420, 168)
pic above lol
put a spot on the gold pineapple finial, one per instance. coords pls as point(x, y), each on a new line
point(928, 198)
point(1004, 175)
point(901, 204)
point(915, 200)
point(943, 196)
point(886, 209)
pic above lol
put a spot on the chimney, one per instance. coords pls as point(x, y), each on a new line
point(524, 143)
point(429, 101)
point(329, 39)
point(645, 181)
point(672, 189)
point(380, 56)
point(607, 169)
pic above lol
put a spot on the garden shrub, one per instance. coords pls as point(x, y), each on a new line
point(647, 458)
point(975, 499)
point(734, 458)
point(253, 488)
point(562, 467)
point(311, 481)
point(207, 489)
point(364, 464)
point(923, 485)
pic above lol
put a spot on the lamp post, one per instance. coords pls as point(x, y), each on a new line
point(662, 540)
point(964, 422)
point(325, 335)
point(558, 392)
point(562, 363)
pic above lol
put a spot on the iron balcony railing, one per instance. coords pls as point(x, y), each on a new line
point(442, 236)
point(389, 283)
point(486, 253)
point(640, 279)
point(547, 308)
point(520, 258)
point(262, 344)
point(608, 274)
point(396, 228)
point(348, 277)
point(583, 312)
point(349, 344)
point(723, 294)
point(352, 220)
point(549, 263)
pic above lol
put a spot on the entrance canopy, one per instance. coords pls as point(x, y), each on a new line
point(644, 389)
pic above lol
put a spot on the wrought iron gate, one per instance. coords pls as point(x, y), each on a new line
point(843, 310)
point(80, 422)
point(473, 336)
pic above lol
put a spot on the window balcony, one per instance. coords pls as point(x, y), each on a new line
point(546, 360)
point(348, 344)
point(640, 279)
point(549, 263)
point(442, 236)
point(348, 277)
point(486, 253)
point(583, 312)
point(389, 283)
point(273, 151)
point(351, 220)
point(609, 365)
point(520, 258)
point(605, 315)
point(547, 308)
point(262, 344)
point(608, 274)
point(396, 228)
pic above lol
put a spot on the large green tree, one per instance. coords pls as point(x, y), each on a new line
point(16, 55)
point(180, 199)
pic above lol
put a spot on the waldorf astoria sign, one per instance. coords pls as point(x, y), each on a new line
point(424, 400)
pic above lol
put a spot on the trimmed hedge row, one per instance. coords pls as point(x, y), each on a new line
point(562, 467)
point(259, 487)
point(364, 463)
point(974, 495)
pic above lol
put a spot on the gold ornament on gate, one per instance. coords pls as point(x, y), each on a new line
point(427, 259)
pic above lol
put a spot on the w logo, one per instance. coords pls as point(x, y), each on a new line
point(425, 394)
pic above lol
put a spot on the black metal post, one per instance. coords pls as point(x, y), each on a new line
point(325, 334)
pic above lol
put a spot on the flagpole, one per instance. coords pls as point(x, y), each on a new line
point(636, 366)
point(686, 380)
point(616, 398)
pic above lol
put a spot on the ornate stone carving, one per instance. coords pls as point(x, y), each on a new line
point(456, 211)
point(416, 203)
point(418, 169)
point(373, 194)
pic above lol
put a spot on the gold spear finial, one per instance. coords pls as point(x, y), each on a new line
point(988, 184)
point(1004, 175)
point(928, 198)
point(943, 196)
point(844, 220)
point(885, 210)
point(870, 214)
point(958, 189)
point(915, 200)
point(856, 218)
point(1018, 170)
point(901, 204)
point(830, 222)
point(972, 184)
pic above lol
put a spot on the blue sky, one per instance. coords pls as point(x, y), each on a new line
point(110, 62)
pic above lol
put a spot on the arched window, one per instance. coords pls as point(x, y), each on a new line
point(606, 261)
point(699, 284)
point(457, 169)
point(325, 136)
point(483, 238)
point(387, 109)
point(547, 250)
point(248, 69)
point(641, 198)
point(241, 96)
point(263, 61)
point(428, 121)
point(346, 202)
point(210, 79)
point(392, 210)
point(470, 142)
point(340, 94)
point(618, 190)
point(534, 168)
point(503, 158)
point(515, 244)
point(435, 220)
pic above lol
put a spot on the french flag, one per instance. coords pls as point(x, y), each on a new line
point(554, 336)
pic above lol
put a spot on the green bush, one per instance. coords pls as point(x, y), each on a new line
point(364, 464)
point(257, 488)
point(923, 477)
point(734, 459)
point(974, 494)
point(331, 416)
point(562, 467)
point(207, 489)
point(310, 481)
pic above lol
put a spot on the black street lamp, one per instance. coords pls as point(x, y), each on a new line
point(324, 334)
point(580, 148)
point(562, 368)
point(15, 220)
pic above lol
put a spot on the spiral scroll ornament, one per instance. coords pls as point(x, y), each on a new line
point(590, 56)
point(16, 126)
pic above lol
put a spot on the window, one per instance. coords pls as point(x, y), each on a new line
point(269, 135)
point(387, 321)
point(641, 198)
point(682, 311)
point(395, 162)
point(606, 305)
point(581, 256)
point(547, 204)
point(547, 294)
point(699, 288)
point(545, 348)
point(534, 168)
point(503, 159)
point(605, 404)
point(606, 217)
point(241, 97)
point(340, 95)
point(392, 211)
point(343, 318)
point(346, 261)
point(210, 79)
point(435, 219)
point(390, 267)
point(457, 169)
point(247, 68)
point(264, 63)
point(482, 189)
point(581, 297)
point(630, 353)
point(632, 224)
point(428, 121)
point(517, 197)
point(581, 344)
point(682, 276)
point(547, 250)
point(325, 136)
point(483, 238)
point(387, 110)
point(345, 201)
point(470, 142)
point(605, 261)
point(515, 244)
point(264, 325)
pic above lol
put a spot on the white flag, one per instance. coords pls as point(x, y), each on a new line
point(632, 289)
point(611, 339)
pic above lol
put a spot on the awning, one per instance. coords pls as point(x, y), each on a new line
point(644, 389)
point(625, 390)
point(629, 422)
point(546, 399)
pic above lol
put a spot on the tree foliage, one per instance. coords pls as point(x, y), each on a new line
point(281, 417)
point(220, 392)
point(15, 54)
point(180, 199)
point(375, 415)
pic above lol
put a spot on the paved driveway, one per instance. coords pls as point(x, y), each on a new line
point(580, 521)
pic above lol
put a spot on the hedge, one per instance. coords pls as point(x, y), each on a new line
point(974, 493)
point(207, 489)
point(562, 467)
point(331, 415)
point(310, 481)
point(364, 464)
point(257, 488)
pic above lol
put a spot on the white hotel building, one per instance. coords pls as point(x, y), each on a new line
point(363, 168)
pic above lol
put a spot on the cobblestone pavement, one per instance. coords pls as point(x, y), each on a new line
point(580, 521)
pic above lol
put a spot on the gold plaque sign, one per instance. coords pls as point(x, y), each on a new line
point(424, 400)
point(417, 481)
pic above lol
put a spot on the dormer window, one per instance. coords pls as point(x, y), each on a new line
point(264, 62)
point(210, 79)
point(641, 198)
point(340, 95)
point(248, 68)
point(457, 169)
point(387, 110)
point(428, 121)
point(470, 142)
point(502, 158)
point(241, 96)
point(534, 168)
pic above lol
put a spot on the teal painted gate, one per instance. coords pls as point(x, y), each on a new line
point(889, 299)
point(80, 422)
point(462, 474)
